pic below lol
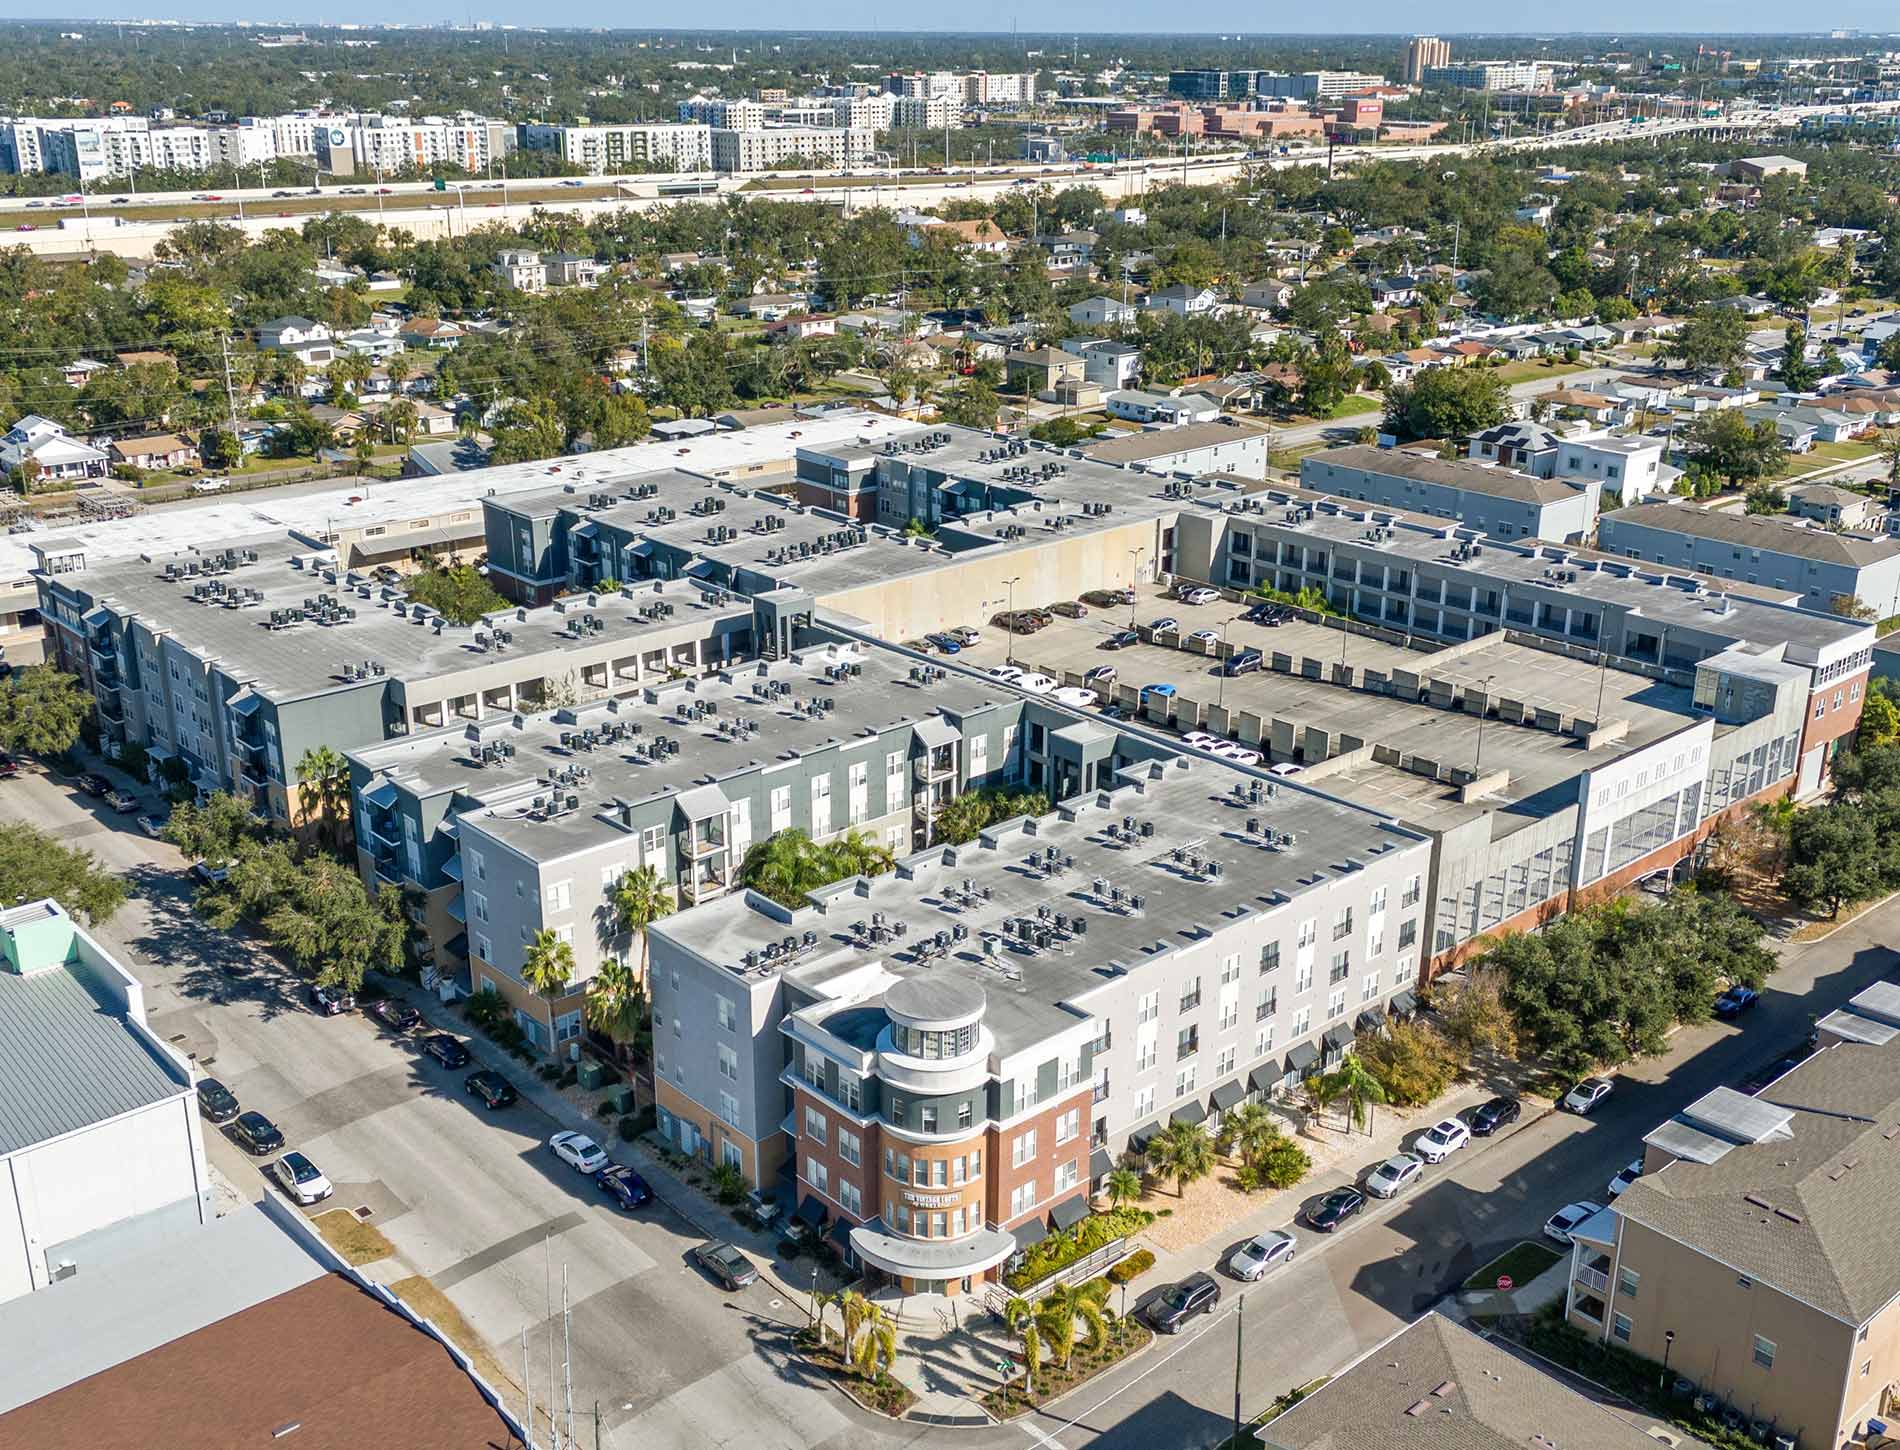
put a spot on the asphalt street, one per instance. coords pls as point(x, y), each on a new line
point(473, 1200)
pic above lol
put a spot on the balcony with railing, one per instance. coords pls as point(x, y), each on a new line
point(1191, 1000)
point(704, 880)
point(705, 838)
point(938, 763)
point(1595, 1274)
point(1342, 928)
point(1264, 1010)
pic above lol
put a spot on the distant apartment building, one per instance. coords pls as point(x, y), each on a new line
point(1315, 84)
point(926, 113)
point(1489, 75)
point(648, 146)
point(769, 146)
point(1422, 53)
point(1211, 85)
point(387, 144)
point(1496, 501)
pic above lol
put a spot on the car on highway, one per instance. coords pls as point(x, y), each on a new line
point(122, 801)
point(1625, 1176)
point(302, 1179)
point(329, 1001)
point(1253, 1258)
point(1167, 624)
point(1735, 1001)
point(1394, 1176)
point(1171, 1309)
point(578, 1151)
point(279, 195)
point(445, 1049)
point(1441, 1140)
point(93, 783)
point(1488, 1117)
point(396, 1016)
point(1335, 1208)
point(1072, 695)
point(1584, 1097)
point(726, 1264)
point(1100, 677)
point(1121, 639)
point(1243, 662)
point(121, 200)
point(216, 1102)
point(1197, 594)
point(491, 1087)
point(570, 181)
point(1567, 1220)
point(256, 1134)
point(624, 1186)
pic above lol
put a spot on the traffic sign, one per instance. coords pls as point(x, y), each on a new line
point(1505, 1281)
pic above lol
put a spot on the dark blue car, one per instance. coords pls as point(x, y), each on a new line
point(624, 1186)
point(1735, 1001)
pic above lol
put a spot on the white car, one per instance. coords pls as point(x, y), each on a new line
point(1206, 638)
point(209, 485)
point(1256, 1256)
point(1582, 1098)
point(1239, 754)
point(1008, 674)
point(1398, 1172)
point(1284, 768)
point(302, 1179)
point(1072, 695)
point(1200, 740)
point(1033, 684)
point(1199, 595)
point(579, 1152)
point(1626, 1175)
point(1441, 1140)
point(964, 635)
point(1568, 1219)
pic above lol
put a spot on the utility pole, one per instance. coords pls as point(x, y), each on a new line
point(1240, 1320)
point(230, 393)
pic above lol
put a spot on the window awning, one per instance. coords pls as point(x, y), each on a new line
point(1228, 1095)
point(934, 732)
point(1194, 1112)
point(244, 702)
point(936, 1259)
point(810, 1210)
point(457, 908)
point(1070, 1212)
point(1301, 1058)
point(584, 531)
point(1264, 1078)
point(383, 793)
point(1338, 1037)
point(1404, 1004)
point(840, 1233)
point(1100, 1164)
point(703, 802)
point(457, 945)
point(1027, 1235)
point(1138, 1140)
point(1370, 1020)
point(98, 614)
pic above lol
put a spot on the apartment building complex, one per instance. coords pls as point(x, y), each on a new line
point(1315, 84)
point(1489, 75)
point(1497, 502)
point(973, 88)
point(1423, 53)
point(1755, 1251)
point(637, 147)
point(758, 149)
point(384, 144)
point(948, 1056)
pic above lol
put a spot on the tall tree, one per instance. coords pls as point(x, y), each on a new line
point(41, 709)
point(639, 899)
point(1183, 1152)
point(323, 791)
point(548, 964)
point(1354, 1084)
point(33, 866)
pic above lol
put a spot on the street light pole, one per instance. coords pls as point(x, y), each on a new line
point(1669, 1343)
point(1134, 578)
point(1477, 766)
point(1009, 624)
point(1240, 1321)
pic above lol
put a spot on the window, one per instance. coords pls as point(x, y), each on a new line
point(1408, 933)
point(560, 896)
point(1191, 995)
point(1184, 1081)
point(1410, 895)
point(1764, 1352)
point(1621, 1327)
point(850, 1146)
point(1626, 1282)
point(1377, 903)
point(1023, 1150)
point(1369, 988)
point(1230, 968)
point(849, 1199)
point(1187, 1042)
point(939, 1172)
point(927, 1118)
point(729, 1108)
point(1342, 924)
point(781, 808)
point(1263, 1040)
point(728, 1063)
point(851, 1092)
point(1342, 964)
point(1336, 1003)
point(1224, 1064)
point(1148, 1008)
point(1303, 977)
point(1068, 1125)
point(1146, 1052)
point(728, 1014)
point(1145, 1101)
point(1375, 942)
point(814, 1124)
point(1302, 1023)
point(1270, 958)
point(1022, 1198)
point(1309, 932)
point(1068, 1174)
point(897, 1165)
point(964, 1113)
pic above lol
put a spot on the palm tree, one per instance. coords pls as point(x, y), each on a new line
point(876, 1346)
point(639, 898)
point(616, 1002)
point(1020, 1315)
point(1245, 1130)
point(548, 965)
point(323, 790)
point(1353, 1083)
point(399, 421)
point(855, 854)
point(1066, 1303)
point(784, 867)
point(400, 370)
point(1183, 1152)
point(1123, 1186)
point(852, 1309)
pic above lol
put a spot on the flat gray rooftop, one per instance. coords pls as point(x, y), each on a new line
point(308, 657)
point(1173, 838)
point(881, 696)
point(70, 1058)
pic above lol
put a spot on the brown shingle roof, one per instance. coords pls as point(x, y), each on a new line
point(1767, 532)
point(327, 1357)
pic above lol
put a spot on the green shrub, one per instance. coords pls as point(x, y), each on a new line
point(628, 1128)
point(1060, 1250)
point(1139, 1262)
point(728, 1184)
point(569, 1076)
point(485, 1008)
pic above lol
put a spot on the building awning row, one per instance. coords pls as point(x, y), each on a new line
point(1190, 1112)
point(1071, 1211)
point(1302, 1058)
point(934, 732)
point(1028, 1235)
point(702, 803)
point(1100, 1164)
point(244, 702)
point(382, 794)
point(1228, 1095)
point(1264, 1079)
point(1142, 1136)
point(1339, 1037)
point(1371, 1020)
point(1404, 1004)
point(810, 1210)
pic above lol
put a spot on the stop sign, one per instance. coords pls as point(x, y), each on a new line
point(1504, 1281)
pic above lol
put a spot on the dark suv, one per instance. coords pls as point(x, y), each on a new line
point(1178, 1303)
point(492, 1088)
point(1487, 1118)
point(216, 1101)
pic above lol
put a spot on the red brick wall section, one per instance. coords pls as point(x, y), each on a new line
point(1837, 720)
point(1546, 912)
point(1004, 1177)
point(865, 1174)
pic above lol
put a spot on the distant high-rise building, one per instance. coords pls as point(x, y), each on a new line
point(1422, 53)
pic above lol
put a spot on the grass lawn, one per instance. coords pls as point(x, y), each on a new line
point(1355, 403)
point(359, 1243)
point(432, 1304)
point(1826, 455)
point(1522, 1262)
point(1532, 369)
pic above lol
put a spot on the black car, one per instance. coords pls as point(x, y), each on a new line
point(216, 1101)
point(1175, 1305)
point(1121, 639)
point(492, 1088)
point(1243, 662)
point(257, 1134)
point(1335, 1208)
point(93, 783)
point(623, 1186)
point(329, 1001)
point(1487, 1118)
point(445, 1049)
point(726, 1264)
point(396, 1016)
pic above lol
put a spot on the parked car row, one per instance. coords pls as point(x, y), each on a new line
point(302, 1181)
